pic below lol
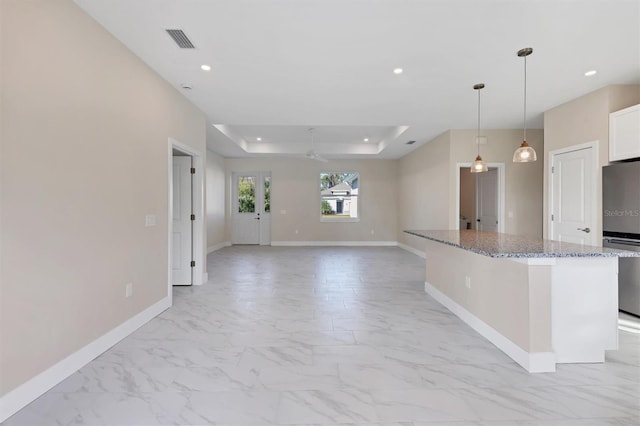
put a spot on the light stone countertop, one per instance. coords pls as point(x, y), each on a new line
point(495, 244)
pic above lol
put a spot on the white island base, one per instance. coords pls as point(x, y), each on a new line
point(539, 311)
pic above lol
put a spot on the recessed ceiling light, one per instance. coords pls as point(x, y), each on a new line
point(258, 139)
point(397, 71)
point(366, 139)
point(205, 67)
point(590, 73)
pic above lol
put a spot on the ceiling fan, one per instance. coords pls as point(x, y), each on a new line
point(312, 154)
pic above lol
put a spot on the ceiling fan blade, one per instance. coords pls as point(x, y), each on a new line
point(312, 155)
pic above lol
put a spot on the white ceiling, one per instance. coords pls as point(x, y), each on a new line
point(282, 66)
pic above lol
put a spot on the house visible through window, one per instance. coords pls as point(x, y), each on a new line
point(339, 196)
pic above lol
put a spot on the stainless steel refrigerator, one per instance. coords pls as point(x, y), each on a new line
point(621, 227)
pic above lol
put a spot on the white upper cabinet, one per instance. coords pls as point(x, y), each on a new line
point(624, 133)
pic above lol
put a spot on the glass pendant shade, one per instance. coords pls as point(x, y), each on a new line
point(524, 154)
point(479, 166)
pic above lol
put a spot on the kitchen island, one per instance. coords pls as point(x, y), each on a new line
point(542, 302)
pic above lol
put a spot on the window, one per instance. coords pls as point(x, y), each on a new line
point(246, 194)
point(339, 196)
point(267, 194)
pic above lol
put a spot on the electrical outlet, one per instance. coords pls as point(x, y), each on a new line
point(128, 290)
point(467, 281)
point(150, 220)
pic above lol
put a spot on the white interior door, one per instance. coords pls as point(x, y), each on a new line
point(182, 229)
point(251, 218)
point(572, 175)
point(487, 199)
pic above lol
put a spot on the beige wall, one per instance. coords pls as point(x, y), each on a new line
point(427, 182)
point(296, 189)
point(215, 208)
point(468, 196)
point(582, 120)
point(523, 181)
point(84, 158)
point(423, 190)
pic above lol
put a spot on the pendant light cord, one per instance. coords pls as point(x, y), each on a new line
point(524, 116)
point(478, 133)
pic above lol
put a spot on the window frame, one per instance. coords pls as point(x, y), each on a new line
point(340, 219)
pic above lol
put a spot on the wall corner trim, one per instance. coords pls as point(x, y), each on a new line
point(24, 394)
point(536, 362)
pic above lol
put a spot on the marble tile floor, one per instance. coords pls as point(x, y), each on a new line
point(326, 336)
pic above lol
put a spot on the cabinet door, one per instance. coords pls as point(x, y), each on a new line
point(624, 134)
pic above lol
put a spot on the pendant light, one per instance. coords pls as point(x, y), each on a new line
point(479, 165)
point(525, 153)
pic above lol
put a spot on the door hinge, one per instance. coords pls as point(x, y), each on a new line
point(193, 217)
point(551, 218)
point(193, 170)
point(193, 263)
point(553, 169)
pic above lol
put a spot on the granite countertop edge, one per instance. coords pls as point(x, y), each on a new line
point(524, 254)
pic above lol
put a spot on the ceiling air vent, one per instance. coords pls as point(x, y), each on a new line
point(181, 39)
point(411, 142)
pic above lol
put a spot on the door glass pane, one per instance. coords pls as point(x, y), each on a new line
point(246, 194)
point(267, 194)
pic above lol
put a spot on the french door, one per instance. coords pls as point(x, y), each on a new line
point(251, 208)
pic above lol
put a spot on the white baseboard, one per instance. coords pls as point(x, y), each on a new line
point(412, 250)
point(536, 362)
point(218, 247)
point(334, 243)
point(24, 394)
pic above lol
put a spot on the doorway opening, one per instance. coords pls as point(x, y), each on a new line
point(480, 198)
point(185, 216)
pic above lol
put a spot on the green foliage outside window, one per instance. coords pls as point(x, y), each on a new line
point(267, 194)
point(326, 207)
point(246, 195)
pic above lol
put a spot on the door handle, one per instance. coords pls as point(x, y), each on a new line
point(256, 218)
point(587, 230)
